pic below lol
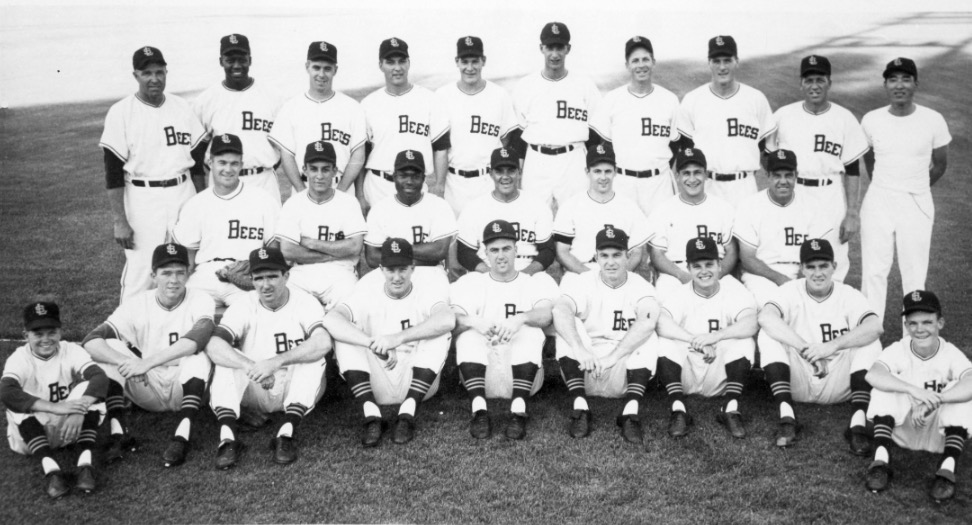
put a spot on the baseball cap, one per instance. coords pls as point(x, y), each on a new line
point(322, 50)
point(226, 143)
point(268, 259)
point(901, 65)
point(410, 159)
point(41, 314)
point(689, 156)
point(392, 46)
point(169, 253)
point(601, 153)
point(701, 249)
point(469, 46)
point(814, 64)
point(816, 249)
point(320, 151)
point(921, 301)
point(396, 251)
point(781, 159)
point(611, 237)
point(234, 42)
point(146, 56)
point(634, 43)
point(504, 157)
point(722, 46)
point(554, 33)
point(498, 229)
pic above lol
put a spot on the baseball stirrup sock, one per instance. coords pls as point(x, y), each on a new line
point(89, 429)
point(574, 376)
point(192, 394)
point(670, 375)
point(637, 384)
point(422, 380)
point(115, 402)
point(954, 441)
point(523, 376)
point(360, 384)
point(860, 390)
point(883, 427)
point(474, 378)
point(227, 418)
point(294, 414)
point(778, 376)
point(735, 377)
point(33, 434)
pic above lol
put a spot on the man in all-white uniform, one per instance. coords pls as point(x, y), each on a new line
point(909, 154)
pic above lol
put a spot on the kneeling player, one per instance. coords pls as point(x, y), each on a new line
point(819, 337)
point(922, 397)
point(706, 329)
point(604, 320)
point(392, 336)
point(52, 390)
point(269, 352)
point(500, 316)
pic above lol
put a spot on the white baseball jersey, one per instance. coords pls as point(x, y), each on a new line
point(703, 315)
point(481, 295)
point(475, 123)
point(607, 312)
point(824, 143)
point(154, 141)
point(777, 231)
point(399, 122)
point(247, 113)
point(727, 130)
point(335, 219)
point(933, 373)
point(262, 333)
point(48, 379)
point(428, 220)
point(581, 217)
point(903, 147)
point(820, 320)
point(529, 215)
point(639, 126)
point(555, 112)
point(229, 226)
point(145, 324)
point(676, 222)
point(338, 120)
point(375, 313)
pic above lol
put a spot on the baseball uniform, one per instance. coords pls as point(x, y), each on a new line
point(528, 213)
point(428, 220)
point(581, 217)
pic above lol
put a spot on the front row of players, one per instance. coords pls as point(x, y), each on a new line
point(817, 337)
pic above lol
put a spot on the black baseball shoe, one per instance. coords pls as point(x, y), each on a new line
point(480, 426)
point(859, 441)
point(175, 453)
point(371, 432)
point(580, 423)
point(284, 450)
point(119, 445)
point(631, 428)
point(404, 429)
point(516, 427)
point(86, 479)
point(57, 484)
point(733, 422)
point(229, 453)
point(786, 434)
point(944, 486)
point(878, 475)
point(678, 424)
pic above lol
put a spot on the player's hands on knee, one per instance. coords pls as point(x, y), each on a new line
point(701, 341)
point(382, 344)
point(588, 362)
point(708, 354)
point(924, 400)
point(69, 407)
point(392, 359)
point(124, 235)
point(818, 351)
point(267, 384)
point(261, 370)
point(507, 328)
point(133, 367)
point(849, 227)
point(820, 368)
point(71, 427)
point(483, 326)
point(609, 360)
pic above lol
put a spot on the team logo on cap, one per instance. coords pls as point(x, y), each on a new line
point(600, 149)
point(609, 233)
point(318, 146)
point(225, 139)
point(897, 61)
point(689, 152)
point(170, 249)
point(409, 155)
point(233, 40)
point(395, 248)
point(720, 41)
point(814, 245)
point(555, 29)
point(394, 42)
point(503, 153)
point(781, 155)
point(636, 39)
point(496, 227)
point(147, 51)
point(263, 254)
point(469, 41)
point(813, 60)
point(324, 47)
point(40, 309)
point(915, 296)
point(699, 245)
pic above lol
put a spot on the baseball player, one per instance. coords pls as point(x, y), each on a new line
point(553, 108)
point(479, 117)
point(223, 224)
point(582, 216)
point(400, 116)
point(243, 107)
point(53, 394)
point(321, 114)
point(604, 322)
point(150, 347)
point(728, 120)
point(528, 214)
point(909, 154)
point(500, 316)
point(690, 214)
point(772, 225)
point(392, 336)
point(152, 143)
point(706, 332)
point(321, 230)
point(922, 397)
point(817, 340)
point(638, 118)
point(830, 143)
point(269, 351)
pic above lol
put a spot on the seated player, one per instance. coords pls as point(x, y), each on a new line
point(706, 346)
point(500, 318)
point(269, 352)
point(922, 397)
point(818, 340)
point(151, 349)
point(604, 321)
point(392, 336)
point(53, 393)
point(321, 230)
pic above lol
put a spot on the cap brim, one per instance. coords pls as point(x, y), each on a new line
point(678, 167)
point(507, 163)
point(410, 166)
point(556, 40)
point(232, 49)
point(717, 54)
point(269, 266)
point(396, 261)
point(498, 236)
point(169, 260)
point(602, 160)
point(42, 323)
point(921, 308)
point(612, 244)
point(468, 53)
point(395, 52)
point(815, 71)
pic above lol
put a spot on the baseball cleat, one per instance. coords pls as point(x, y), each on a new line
point(516, 427)
point(86, 479)
point(786, 435)
point(480, 426)
point(371, 432)
point(57, 485)
point(118, 446)
point(733, 422)
point(175, 453)
point(580, 423)
point(678, 424)
point(631, 428)
point(404, 429)
point(229, 453)
point(284, 450)
point(877, 478)
point(860, 443)
point(944, 486)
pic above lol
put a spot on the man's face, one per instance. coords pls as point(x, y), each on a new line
point(43, 341)
point(922, 326)
point(398, 279)
point(408, 183)
point(691, 180)
point(320, 175)
point(612, 261)
point(471, 68)
point(815, 88)
point(236, 65)
point(505, 179)
point(226, 169)
point(501, 254)
point(271, 285)
point(170, 280)
point(151, 80)
point(395, 69)
point(320, 74)
point(819, 275)
point(901, 88)
point(601, 176)
point(640, 64)
point(555, 55)
point(781, 184)
point(705, 273)
point(723, 70)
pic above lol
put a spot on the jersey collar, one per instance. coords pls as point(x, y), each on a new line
point(730, 95)
point(231, 195)
point(48, 358)
point(911, 347)
point(231, 90)
point(548, 79)
point(277, 309)
point(412, 204)
point(185, 293)
point(402, 94)
point(641, 95)
point(314, 100)
point(411, 287)
point(516, 276)
point(622, 283)
point(718, 288)
point(833, 286)
point(704, 198)
point(778, 205)
point(325, 201)
point(149, 104)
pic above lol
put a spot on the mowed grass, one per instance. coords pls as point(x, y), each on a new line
point(57, 243)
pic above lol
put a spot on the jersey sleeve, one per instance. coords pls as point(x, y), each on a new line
point(359, 128)
point(563, 224)
point(438, 119)
point(866, 124)
point(236, 320)
point(782, 297)
point(855, 142)
point(115, 135)
point(187, 230)
point(891, 358)
point(685, 119)
point(601, 117)
point(202, 307)
point(573, 288)
point(469, 227)
point(745, 225)
point(544, 226)
point(773, 139)
point(959, 365)
point(282, 132)
point(354, 222)
point(857, 307)
point(767, 121)
point(657, 232)
point(78, 357)
point(122, 321)
point(638, 236)
point(740, 298)
point(16, 366)
point(508, 121)
point(462, 294)
point(271, 213)
point(543, 288)
point(445, 223)
point(940, 135)
point(311, 314)
point(376, 230)
point(288, 225)
point(593, 95)
point(202, 108)
point(674, 304)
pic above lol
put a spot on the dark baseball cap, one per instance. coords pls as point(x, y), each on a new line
point(554, 33)
point(611, 237)
point(234, 42)
point(603, 152)
point(469, 46)
point(396, 251)
point(815, 250)
point(321, 50)
point(781, 159)
point(901, 65)
point(320, 151)
point(634, 43)
point(722, 46)
point(410, 159)
point(147, 55)
point(814, 64)
point(226, 143)
point(169, 253)
point(689, 156)
point(41, 314)
point(499, 229)
point(921, 301)
point(701, 249)
point(268, 259)
point(504, 157)
point(392, 46)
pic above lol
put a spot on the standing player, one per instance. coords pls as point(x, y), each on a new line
point(729, 120)
point(553, 109)
point(922, 397)
point(479, 118)
point(321, 114)
point(829, 142)
point(52, 391)
point(500, 316)
point(321, 230)
point(150, 348)
point(604, 320)
point(528, 214)
point(392, 336)
point(152, 143)
point(818, 339)
point(909, 154)
point(269, 351)
point(241, 106)
point(638, 118)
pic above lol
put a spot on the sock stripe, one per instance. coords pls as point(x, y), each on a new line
point(37, 443)
point(635, 388)
point(222, 412)
point(674, 388)
point(780, 387)
point(361, 389)
point(734, 388)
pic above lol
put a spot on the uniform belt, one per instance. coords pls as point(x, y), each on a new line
point(644, 174)
point(813, 183)
point(469, 173)
point(552, 151)
point(724, 177)
point(388, 176)
point(257, 171)
point(159, 183)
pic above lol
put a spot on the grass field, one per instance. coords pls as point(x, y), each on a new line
point(57, 243)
